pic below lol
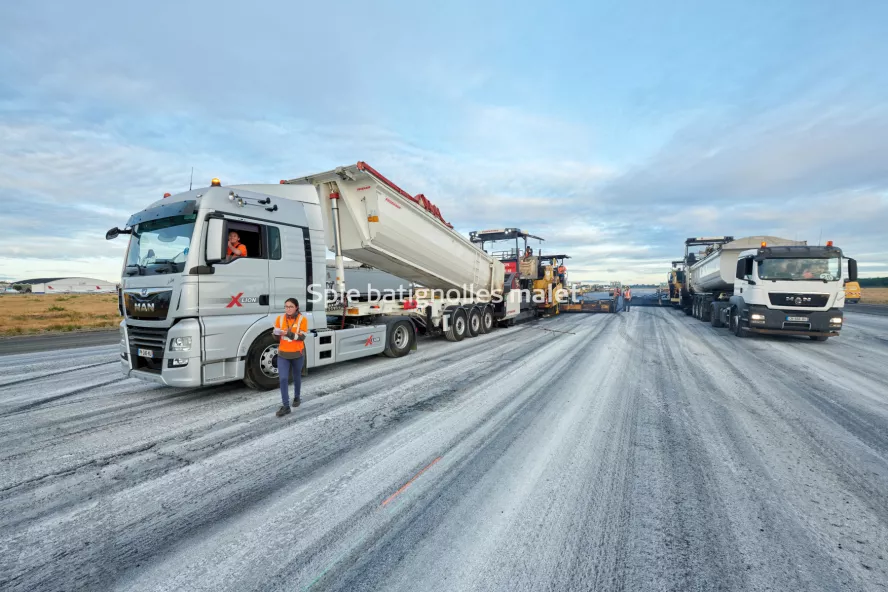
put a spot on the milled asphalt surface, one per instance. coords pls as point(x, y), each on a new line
point(632, 451)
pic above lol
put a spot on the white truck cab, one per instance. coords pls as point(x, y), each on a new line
point(797, 290)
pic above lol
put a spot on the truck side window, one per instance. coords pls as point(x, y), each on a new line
point(251, 237)
point(274, 242)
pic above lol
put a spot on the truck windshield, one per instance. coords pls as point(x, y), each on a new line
point(826, 269)
point(160, 246)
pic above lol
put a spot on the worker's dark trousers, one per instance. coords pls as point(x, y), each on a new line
point(626, 303)
point(284, 368)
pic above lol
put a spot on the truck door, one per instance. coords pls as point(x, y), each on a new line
point(289, 267)
point(236, 294)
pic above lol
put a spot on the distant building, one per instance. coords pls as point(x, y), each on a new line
point(71, 285)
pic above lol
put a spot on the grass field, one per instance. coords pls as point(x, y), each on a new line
point(874, 295)
point(28, 314)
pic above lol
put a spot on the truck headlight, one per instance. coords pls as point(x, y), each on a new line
point(180, 344)
point(836, 321)
point(178, 362)
point(756, 317)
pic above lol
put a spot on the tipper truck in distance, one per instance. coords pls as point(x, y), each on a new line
point(765, 284)
point(193, 316)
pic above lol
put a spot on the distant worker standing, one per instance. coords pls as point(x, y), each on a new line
point(290, 330)
point(627, 298)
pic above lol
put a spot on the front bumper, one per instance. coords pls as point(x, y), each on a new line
point(794, 322)
point(165, 367)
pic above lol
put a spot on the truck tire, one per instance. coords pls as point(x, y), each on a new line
point(819, 337)
point(714, 318)
point(737, 323)
point(474, 322)
point(705, 312)
point(487, 319)
point(399, 339)
point(459, 323)
point(261, 371)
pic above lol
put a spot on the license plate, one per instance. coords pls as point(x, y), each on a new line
point(146, 353)
point(798, 319)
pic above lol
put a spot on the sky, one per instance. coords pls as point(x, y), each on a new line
point(613, 129)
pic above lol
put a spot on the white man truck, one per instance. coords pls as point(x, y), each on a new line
point(195, 316)
point(766, 284)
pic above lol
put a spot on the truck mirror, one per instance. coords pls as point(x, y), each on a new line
point(852, 270)
point(216, 239)
point(112, 234)
point(741, 269)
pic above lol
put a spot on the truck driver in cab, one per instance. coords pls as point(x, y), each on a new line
point(236, 248)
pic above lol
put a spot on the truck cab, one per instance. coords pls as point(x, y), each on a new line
point(795, 290)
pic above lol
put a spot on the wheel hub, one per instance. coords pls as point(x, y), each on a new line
point(268, 361)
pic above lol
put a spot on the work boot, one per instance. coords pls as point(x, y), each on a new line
point(282, 411)
point(296, 402)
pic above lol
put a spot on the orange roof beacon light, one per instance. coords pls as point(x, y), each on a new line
point(215, 182)
point(764, 244)
point(166, 195)
point(828, 243)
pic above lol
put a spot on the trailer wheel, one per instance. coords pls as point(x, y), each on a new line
point(705, 312)
point(714, 318)
point(458, 324)
point(819, 337)
point(399, 340)
point(474, 324)
point(487, 319)
point(261, 371)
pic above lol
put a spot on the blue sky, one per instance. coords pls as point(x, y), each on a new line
point(614, 129)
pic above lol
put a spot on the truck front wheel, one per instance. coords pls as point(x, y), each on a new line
point(737, 323)
point(261, 371)
point(819, 337)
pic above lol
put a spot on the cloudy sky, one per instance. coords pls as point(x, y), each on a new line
point(615, 129)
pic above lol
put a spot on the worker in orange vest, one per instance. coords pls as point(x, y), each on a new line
point(627, 298)
point(290, 329)
point(235, 247)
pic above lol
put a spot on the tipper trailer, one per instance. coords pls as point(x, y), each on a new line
point(193, 316)
point(766, 284)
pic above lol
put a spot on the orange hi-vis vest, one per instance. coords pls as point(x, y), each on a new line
point(300, 323)
point(628, 294)
point(240, 248)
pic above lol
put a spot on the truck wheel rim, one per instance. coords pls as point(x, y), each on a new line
point(476, 323)
point(488, 320)
point(459, 325)
point(400, 338)
point(267, 361)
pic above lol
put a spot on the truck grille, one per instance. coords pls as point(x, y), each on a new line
point(147, 338)
point(802, 300)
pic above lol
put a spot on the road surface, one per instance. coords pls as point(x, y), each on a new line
point(633, 451)
point(56, 341)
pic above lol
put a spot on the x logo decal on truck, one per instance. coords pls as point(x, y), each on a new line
point(235, 301)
